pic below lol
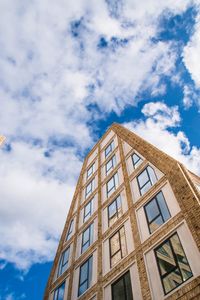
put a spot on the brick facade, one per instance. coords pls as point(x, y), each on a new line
point(182, 183)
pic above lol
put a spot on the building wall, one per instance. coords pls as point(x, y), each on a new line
point(181, 194)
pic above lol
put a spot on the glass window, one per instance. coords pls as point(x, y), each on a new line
point(90, 171)
point(112, 184)
point(109, 149)
point(156, 212)
point(87, 238)
point(146, 179)
point(172, 263)
point(121, 289)
point(89, 188)
point(110, 164)
point(117, 246)
point(114, 210)
point(63, 264)
point(69, 234)
point(59, 292)
point(88, 209)
point(85, 276)
point(136, 159)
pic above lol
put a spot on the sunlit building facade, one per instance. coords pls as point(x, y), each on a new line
point(133, 228)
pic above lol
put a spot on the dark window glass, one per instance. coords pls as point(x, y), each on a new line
point(114, 210)
point(63, 264)
point(69, 234)
point(90, 171)
point(156, 212)
point(136, 159)
point(88, 211)
point(172, 263)
point(87, 238)
point(110, 164)
point(109, 149)
point(146, 179)
point(117, 246)
point(59, 292)
point(121, 289)
point(112, 184)
point(85, 276)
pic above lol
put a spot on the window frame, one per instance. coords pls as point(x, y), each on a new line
point(111, 146)
point(61, 265)
point(89, 262)
point(108, 192)
point(90, 174)
point(70, 230)
point(55, 296)
point(87, 194)
point(160, 212)
point(120, 245)
point(117, 208)
point(135, 165)
point(114, 163)
point(122, 277)
point(146, 169)
point(176, 261)
point(90, 240)
point(86, 217)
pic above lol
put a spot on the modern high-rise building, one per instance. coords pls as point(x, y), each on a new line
point(133, 228)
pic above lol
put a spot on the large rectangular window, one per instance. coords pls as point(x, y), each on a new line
point(172, 263)
point(59, 292)
point(112, 184)
point(90, 171)
point(89, 188)
point(64, 260)
point(156, 212)
point(114, 210)
point(88, 209)
point(146, 179)
point(70, 230)
point(110, 164)
point(87, 238)
point(117, 246)
point(85, 276)
point(122, 289)
point(109, 149)
point(136, 159)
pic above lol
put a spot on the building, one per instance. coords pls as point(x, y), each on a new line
point(133, 228)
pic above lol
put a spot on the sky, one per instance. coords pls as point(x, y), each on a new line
point(68, 70)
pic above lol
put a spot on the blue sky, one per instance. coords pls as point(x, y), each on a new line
point(68, 70)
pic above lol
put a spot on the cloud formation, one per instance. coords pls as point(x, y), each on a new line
point(159, 119)
point(63, 65)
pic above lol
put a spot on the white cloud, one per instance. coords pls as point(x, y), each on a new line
point(34, 201)
point(49, 79)
point(156, 129)
point(192, 50)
